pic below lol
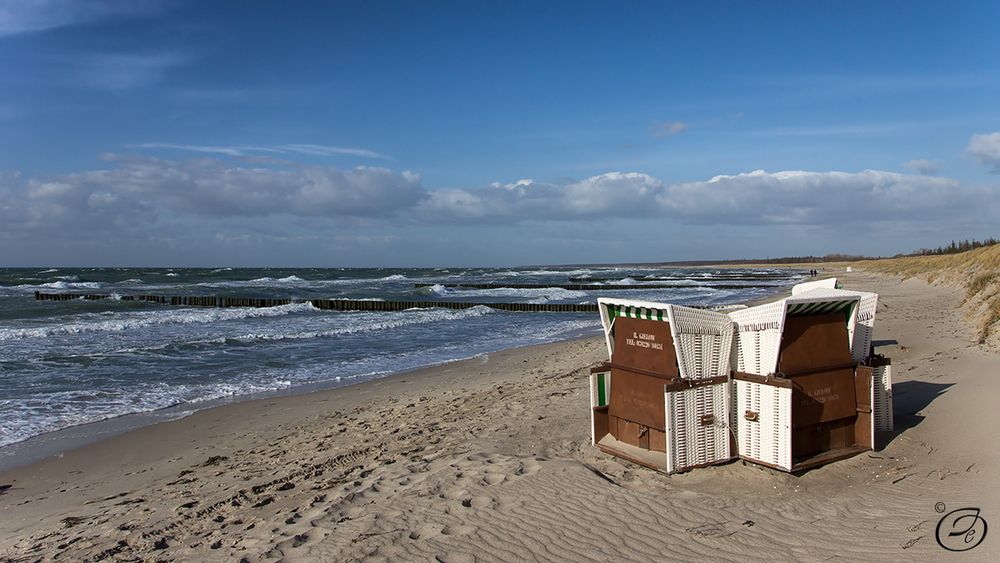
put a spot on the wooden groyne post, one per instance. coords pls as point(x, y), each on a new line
point(325, 304)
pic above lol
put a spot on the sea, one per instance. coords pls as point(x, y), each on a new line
point(70, 363)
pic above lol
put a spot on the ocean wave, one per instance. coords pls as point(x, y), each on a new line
point(134, 320)
point(28, 417)
point(49, 271)
point(288, 279)
point(542, 272)
point(64, 285)
point(357, 323)
point(537, 295)
point(22, 419)
point(394, 277)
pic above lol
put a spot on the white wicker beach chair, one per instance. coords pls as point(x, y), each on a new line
point(695, 395)
point(764, 405)
point(828, 283)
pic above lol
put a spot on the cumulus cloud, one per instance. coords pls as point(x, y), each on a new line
point(986, 149)
point(140, 189)
point(134, 197)
point(923, 166)
point(759, 197)
point(668, 128)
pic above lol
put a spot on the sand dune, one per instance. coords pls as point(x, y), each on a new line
point(489, 459)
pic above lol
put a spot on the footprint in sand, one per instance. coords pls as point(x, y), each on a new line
point(479, 502)
point(494, 478)
point(457, 530)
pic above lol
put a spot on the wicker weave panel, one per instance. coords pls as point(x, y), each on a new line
point(703, 341)
point(863, 330)
point(768, 439)
point(689, 442)
point(882, 409)
point(758, 337)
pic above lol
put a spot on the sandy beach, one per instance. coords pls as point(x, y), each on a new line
point(489, 459)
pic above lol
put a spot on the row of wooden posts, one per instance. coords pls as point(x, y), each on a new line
point(588, 286)
point(326, 304)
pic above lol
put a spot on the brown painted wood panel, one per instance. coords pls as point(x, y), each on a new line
point(823, 396)
point(657, 440)
point(813, 440)
point(814, 341)
point(601, 423)
point(629, 432)
point(863, 424)
point(645, 345)
point(637, 397)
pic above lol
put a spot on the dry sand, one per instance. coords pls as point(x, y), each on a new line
point(489, 459)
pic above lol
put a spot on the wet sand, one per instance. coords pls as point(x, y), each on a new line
point(489, 459)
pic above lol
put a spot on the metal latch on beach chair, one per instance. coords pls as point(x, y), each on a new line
point(752, 416)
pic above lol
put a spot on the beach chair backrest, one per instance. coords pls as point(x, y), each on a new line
point(758, 337)
point(703, 341)
point(638, 335)
point(760, 330)
point(861, 329)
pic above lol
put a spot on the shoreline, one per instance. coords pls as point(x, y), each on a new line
point(490, 458)
point(58, 442)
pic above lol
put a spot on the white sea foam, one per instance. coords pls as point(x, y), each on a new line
point(355, 323)
point(122, 321)
point(394, 277)
point(537, 295)
point(289, 279)
point(64, 285)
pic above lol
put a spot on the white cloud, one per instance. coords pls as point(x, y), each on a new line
point(244, 150)
point(140, 190)
point(25, 16)
point(149, 199)
point(986, 149)
point(923, 166)
point(668, 128)
point(796, 197)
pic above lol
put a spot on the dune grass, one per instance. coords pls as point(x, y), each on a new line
point(977, 271)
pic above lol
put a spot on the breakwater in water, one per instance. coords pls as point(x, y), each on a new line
point(593, 286)
point(324, 304)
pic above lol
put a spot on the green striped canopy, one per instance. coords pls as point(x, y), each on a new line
point(820, 308)
point(636, 312)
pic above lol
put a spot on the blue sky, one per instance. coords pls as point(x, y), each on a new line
point(467, 133)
